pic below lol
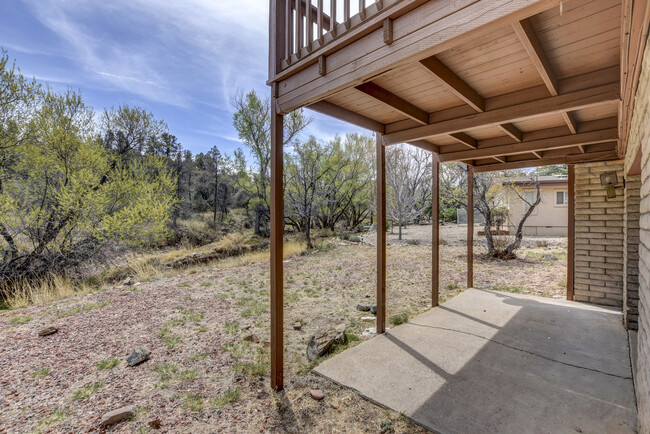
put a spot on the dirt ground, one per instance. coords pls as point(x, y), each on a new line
point(453, 235)
point(202, 375)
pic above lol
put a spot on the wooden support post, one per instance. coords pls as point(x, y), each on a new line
point(381, 236)
point(470, 227)
point(277, 240)
point(571, 234)
point(435, 231)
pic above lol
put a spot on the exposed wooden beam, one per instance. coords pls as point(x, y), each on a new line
point(388, 31)
point(554, 104)
point(395, 102)
point(427, 146)
point(567, 141)
point(277, 248)
point(454, 83)
point(570, 121)
point(381, 236)
point(590, 157)
point(500, 159)
point(329, 109)
point(536, 154)
point(528, 38)
point(465, 139)
point(571, 234)
point(512, 131)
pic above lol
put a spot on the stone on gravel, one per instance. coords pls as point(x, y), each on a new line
point(321, 342)
point(363, 307)
point(48, 331)
point(368, 318)
point(155, 424)
point(373, 309)
point(138, 356)
point(118, 415)
point(370, 332)
point(318, 395)
point(128, 281)
point(549, 257)
point(297, 325)
point(252, 338)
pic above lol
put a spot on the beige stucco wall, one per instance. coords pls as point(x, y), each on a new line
point(548, 219)
point(639, 139)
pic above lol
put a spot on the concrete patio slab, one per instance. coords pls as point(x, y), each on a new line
point(497, 362)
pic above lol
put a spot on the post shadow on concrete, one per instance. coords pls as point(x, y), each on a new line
point(495, 362)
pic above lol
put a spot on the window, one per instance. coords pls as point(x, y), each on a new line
point(561, 198)
point(529, 199)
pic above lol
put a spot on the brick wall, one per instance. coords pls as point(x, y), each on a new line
point(639, 138)
point(599, 236)
point(631, 252)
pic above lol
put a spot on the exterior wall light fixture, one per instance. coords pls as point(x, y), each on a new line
point(609, 181)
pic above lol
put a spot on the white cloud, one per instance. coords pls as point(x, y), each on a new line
point(167, 52)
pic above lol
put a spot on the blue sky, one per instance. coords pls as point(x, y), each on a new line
point(181, 60)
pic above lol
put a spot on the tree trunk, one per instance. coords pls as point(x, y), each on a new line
point(308, 233)
point(216, 190)
point(399, 237)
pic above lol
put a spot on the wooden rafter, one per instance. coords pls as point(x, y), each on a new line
point(555, 104)
point(329, 109)
point(461, 89)
point(569, 159)
point(427, 146)
point(512, 131)
point(600, 136)
point(500, 159)
point(528, 38)
point(454, 83)
point(465, 139)
point(395, 102)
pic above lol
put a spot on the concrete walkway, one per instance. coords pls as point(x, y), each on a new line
point(497, 362)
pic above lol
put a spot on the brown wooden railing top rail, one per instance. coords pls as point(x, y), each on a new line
point(303, 30)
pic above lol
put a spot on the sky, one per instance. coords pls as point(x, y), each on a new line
point(181, 60)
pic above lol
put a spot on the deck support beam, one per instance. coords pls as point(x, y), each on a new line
point(435, 230)
point(381, 236)
point(571, 233)
point(470, 227)
point(277, 250)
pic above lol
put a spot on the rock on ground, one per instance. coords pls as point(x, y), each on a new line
point(138, 356)
point(48, 331)
point(117, 415)
point(321, 342)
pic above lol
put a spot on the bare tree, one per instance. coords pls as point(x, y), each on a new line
point(408, 176)
point(491, 192)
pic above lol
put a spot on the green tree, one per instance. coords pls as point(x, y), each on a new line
point(252, 120)
point(69, 195)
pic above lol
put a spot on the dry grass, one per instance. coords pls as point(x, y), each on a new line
point(53, 288)
point(142, 268)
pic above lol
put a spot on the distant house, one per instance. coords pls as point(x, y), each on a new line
point(549, 218)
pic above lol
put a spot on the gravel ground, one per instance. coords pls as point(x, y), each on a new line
point(455, 235)
point(194, 324)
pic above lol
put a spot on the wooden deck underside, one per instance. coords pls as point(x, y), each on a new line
point(539, 86)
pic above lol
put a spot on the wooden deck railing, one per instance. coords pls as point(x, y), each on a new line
point(300, 28)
